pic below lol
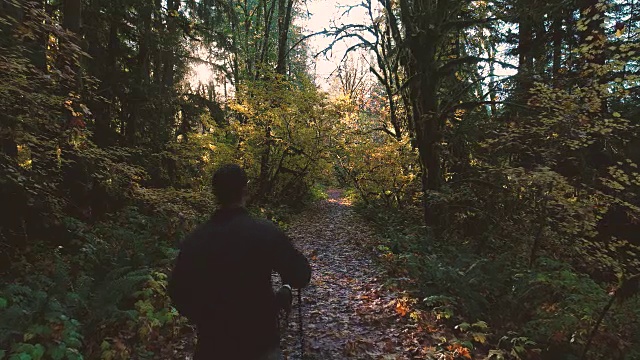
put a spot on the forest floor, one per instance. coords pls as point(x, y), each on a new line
point(347, 311)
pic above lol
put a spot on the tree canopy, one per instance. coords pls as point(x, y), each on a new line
point(496, 143)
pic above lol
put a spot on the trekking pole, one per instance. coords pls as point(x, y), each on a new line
point(300, 322)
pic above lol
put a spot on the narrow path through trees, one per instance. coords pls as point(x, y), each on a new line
point(346, 311)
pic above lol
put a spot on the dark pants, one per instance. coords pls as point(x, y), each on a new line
point(237, 340)
point(274, 354)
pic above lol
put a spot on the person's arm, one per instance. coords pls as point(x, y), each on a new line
point(181, 286)
point(291, 264)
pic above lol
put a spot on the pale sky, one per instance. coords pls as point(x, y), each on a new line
point(323, 14)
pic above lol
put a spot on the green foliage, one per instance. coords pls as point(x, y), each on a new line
point(107, 150)
point(561, 303)
point(513, 346)
point(533, 217)
point(317, 192)
point(283, 138)
point(106, 292)
point(549, 309)
point(381, 168)
point(106, 156)
point(39, 319)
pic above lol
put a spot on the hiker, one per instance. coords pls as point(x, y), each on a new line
point(222, 278)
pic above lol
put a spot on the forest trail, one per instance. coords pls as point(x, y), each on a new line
point(347, 313)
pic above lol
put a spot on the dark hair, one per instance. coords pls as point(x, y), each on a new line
point(228, 183)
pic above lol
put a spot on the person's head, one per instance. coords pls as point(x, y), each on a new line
point(230, 185)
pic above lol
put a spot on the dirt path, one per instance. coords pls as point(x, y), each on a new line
point(347, 313)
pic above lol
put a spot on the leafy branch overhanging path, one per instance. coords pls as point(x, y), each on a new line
point(347, 311)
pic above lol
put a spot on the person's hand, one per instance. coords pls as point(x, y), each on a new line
point(284, 298)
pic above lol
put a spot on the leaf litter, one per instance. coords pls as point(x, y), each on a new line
point(348, 313)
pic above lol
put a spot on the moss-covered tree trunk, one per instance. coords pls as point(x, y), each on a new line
point(421, 21)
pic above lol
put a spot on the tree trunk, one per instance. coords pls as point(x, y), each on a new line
point(264, 183)
point(72, 10)
point(557, 37)
point(169, 62)
point(249, 64)
point(492, 80)
point(169, 58)
point(158, 54)
point(267, 33)
point(235, 53)
point(539, 47)
point(99, 52)
point(421, 24)
point(285, 8)
point(145, 39)
point(72, 21)
point(525, 58)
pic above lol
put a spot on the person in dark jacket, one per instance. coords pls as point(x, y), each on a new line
point(222, 277)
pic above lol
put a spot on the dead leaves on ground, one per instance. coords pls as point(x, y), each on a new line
point(348, 313)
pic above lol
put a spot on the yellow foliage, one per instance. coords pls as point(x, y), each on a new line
point(289, 124)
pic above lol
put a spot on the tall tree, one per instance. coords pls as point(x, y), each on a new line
point(425, 64)
point(285, 10)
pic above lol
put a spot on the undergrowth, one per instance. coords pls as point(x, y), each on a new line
point(497, 306)
point(103, 294)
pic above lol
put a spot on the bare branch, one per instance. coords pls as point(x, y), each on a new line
point(302, 39)
point(474, 104)
point(461, 24)
point(471, 60)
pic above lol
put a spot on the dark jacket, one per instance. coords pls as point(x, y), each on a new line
point(222, 283)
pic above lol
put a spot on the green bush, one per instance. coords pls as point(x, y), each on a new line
point(548, 308)
point(317, 192)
